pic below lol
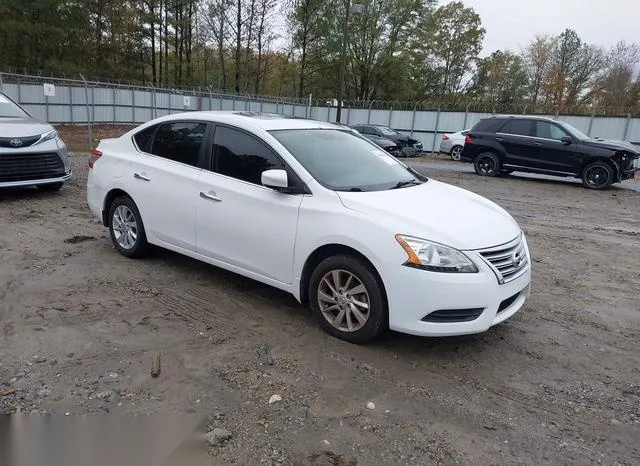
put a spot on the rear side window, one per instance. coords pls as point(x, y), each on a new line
point(518, 127)
point(180, 141)
point(143, 138)
point(488, 125)
point(241, 156)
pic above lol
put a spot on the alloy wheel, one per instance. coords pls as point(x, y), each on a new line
point(125, 227)
point(344, 300)
point(597, 176)
point(456, 153)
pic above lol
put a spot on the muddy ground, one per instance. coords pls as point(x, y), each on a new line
point(559, 383)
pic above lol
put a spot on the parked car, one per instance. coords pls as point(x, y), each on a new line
point(452, 144)
point(384, 143)
point(409, 146)
point(319, 212)
point(31, 152)
point(503, 144)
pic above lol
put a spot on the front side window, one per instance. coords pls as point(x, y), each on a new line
point(342, 161)
point(548, 130)
point(241, 156)
point(517, 127)
point(8, 109)
point(179, 141)
point(387, 131)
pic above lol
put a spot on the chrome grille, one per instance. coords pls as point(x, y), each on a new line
point(508, 261)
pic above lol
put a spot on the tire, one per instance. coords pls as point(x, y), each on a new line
point(346, 309)
point(129, 238)
point(487, 164)
point(597, 175)
point(50, 187)
point(456, 153)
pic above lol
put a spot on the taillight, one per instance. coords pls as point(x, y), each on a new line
point(445, 137)
point(95, 155)
point(468, 140)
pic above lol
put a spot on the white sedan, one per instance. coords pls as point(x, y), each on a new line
point(317, 211)
point(452, 144)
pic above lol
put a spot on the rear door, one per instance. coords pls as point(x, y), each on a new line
point(164, 185)
point(516, 139)
point(551, 152)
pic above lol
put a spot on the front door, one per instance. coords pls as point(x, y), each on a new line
point(551, 152)
point(239, 222)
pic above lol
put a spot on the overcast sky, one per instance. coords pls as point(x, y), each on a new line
point(512, 24)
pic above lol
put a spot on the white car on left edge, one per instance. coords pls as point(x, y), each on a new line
point(317, 211)
point(31, 152)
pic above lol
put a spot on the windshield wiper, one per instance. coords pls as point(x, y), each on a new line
point(402, 184)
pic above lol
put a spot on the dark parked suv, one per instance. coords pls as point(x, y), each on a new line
point(500, 145)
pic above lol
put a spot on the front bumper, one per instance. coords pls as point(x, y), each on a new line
point(415, 294)
point(59, 179)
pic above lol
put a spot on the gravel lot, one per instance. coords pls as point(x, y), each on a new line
point(80, 327)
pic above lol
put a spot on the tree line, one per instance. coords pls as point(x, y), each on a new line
point(396, 50)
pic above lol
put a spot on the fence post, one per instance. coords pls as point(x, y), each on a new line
point(210, 99)
point(86, 100)
point(590, 125)
point(466, 116)
point(261, 105)
point(19, 92)
point(435, 133)
point(46, 106)
point(0, 81)
point(369, 112)
point(349, 114)
point(71, 103)
point(133, 106)
point(309, 105)
point(413, 118)
point(626, 127)
point(390, 114)
point(155, 101)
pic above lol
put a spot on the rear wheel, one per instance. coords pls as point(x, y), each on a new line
point(597, 175)
point(456, 153)
point(126, 228)
point(50, 187)
point(487, 164)
point(347, 298)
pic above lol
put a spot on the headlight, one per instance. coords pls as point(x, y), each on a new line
point(53, 134)
point(435, 257)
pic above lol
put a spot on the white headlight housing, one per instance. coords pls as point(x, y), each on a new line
point(435, 257)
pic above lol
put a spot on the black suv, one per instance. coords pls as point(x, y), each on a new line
point(500, 145)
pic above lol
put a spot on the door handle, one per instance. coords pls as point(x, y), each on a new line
point(499, 139)
point(538, 144)
point(211, 196)
point(138, 176)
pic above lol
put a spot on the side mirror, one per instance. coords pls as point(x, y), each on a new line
point(275, 179)
point(566, 140)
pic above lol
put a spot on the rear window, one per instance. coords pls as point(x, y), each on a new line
point(488, 125)
point(144, 137)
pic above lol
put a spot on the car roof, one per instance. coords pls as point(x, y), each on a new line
point(250, 120)
point(519, 117)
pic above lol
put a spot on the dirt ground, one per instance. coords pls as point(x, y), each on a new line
point(559, 383)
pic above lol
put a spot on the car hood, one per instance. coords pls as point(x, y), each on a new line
point(22, 127)
point(438, 212)
point(612, 145)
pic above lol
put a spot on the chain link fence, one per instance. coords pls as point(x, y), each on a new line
point(81, 101)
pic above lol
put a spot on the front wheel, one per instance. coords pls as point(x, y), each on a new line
point(487, 164)
point(347, 298)
point(126, 228)
point(597, 175)
point(456, 153)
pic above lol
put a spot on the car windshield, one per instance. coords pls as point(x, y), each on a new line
point(10, 110)
point(342, 161)
point(387, 131)
point(574, 131)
